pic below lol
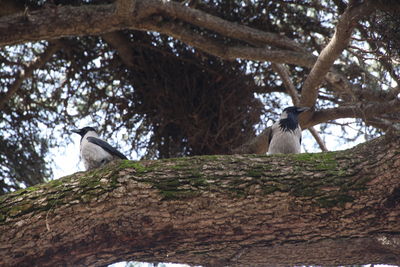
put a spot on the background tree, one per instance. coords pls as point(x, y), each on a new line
point(191, 77)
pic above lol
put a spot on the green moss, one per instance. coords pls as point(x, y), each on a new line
point(177, 167)
point(171, 188)
point(168, 184)
point(140, 168)
point(90, 181)
point(308, 157)
point(210, 157)
point(94, 179)
point(320, 161)
point(256, 173)
point(24, 190)
point(54, 183)
point(20, 209)
point(195, 174)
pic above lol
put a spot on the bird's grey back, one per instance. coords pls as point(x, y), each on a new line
point(93, 156)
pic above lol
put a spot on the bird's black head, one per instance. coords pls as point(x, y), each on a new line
point(289, 118)
point(295, 110)
point(84, 130)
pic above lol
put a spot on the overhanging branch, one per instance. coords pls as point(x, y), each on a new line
point(364, 111)
point(166, 17)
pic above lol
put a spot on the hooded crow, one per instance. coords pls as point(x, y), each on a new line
point(96, 152)
point(285, 135)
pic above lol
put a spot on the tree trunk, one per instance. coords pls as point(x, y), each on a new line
point(237, 210)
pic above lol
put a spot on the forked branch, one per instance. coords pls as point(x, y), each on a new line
point(332, 51)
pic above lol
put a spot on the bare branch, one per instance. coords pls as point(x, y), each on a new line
point(363, 111)
point(332, 51)
point(166, 17)
point(318, 138)
point(290, 88)
point(28, 71)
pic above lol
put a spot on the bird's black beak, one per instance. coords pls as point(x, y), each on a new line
point(78, 131)
point(302, 109)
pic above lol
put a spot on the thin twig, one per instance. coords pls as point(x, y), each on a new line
point(318, 138)
point(287, 82)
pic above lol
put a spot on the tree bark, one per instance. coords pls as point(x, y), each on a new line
point(238, 210)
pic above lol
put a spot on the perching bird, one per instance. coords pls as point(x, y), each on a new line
point(94, 151)
point(285, 134)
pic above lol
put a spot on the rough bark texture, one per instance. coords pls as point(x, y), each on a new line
point(321, 209)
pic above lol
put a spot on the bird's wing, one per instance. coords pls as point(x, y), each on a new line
point(106, 146)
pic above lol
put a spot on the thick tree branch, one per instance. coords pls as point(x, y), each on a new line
point(28, 71)
point(225, 28)
point(101, 19)
point(97, 19)
point(125, 8)
point(226, 51)
point(364, 111)
point(215, 211)
point(332, 51)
